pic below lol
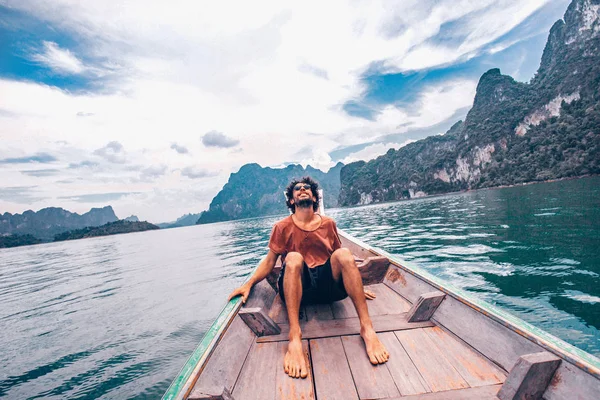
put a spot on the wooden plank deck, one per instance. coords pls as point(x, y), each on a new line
point(426, 362)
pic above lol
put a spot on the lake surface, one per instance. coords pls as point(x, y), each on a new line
point(117, 317)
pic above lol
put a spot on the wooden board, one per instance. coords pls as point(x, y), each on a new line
point(434, 367)
point(480, 393)
point(406, 284)
point(404, 373)
point(373, 269)
point(530, 376)
point(287, 388)
point(347, 326)
point(372, 381)
point(273, 276)
point(386, 302)
point(490, 338)
point(344, 309)
point(321, 312)
point(261, 296)
point(226, 362)
point(257, 380)
point(278, 311)
point(358, 251)
point(332, 376)
point(259, 322)
point(472, 366)
point(425, 306)
point(569, 382)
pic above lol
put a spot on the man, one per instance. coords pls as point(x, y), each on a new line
point(316, 269)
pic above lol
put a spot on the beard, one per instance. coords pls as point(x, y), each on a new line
point(305, 203)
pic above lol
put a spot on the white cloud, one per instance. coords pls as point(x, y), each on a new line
point(195, 172)
point(319, 159)
point(112, 152)
point(273, 75)
point(153, 172)
point(179, 148)
point(440, 102)
point(61, 61)
point(218, 139)
point(373, 151)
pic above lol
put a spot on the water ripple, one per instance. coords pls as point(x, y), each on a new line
point(117, 317)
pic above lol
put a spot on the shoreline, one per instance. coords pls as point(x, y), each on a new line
point(362, 205)
point(471, 190)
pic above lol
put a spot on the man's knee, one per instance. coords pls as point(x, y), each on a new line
point(294, 262)
point(344, 257)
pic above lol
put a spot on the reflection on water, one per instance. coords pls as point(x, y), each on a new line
point(116, 317)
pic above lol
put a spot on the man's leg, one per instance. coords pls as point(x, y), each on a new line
point(294, 363)
point(344, 267)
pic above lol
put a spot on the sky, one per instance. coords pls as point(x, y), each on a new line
point(149, 106)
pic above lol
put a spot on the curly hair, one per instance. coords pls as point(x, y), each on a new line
point(314, 188)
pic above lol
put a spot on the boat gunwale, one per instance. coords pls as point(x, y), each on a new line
point(187, 377)
point(580, 358)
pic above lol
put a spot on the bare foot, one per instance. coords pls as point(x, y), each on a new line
point(294, 363)
point(375, 349)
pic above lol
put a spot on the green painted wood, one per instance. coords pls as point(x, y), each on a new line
point(182, 383)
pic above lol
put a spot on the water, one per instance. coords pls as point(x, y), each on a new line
point(117, 317)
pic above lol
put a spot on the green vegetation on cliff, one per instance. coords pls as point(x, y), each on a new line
point(18, 240)
point(112, 228)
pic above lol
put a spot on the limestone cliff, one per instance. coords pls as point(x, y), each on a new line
point(255, 191)
point(50, 221)
point(514, 133)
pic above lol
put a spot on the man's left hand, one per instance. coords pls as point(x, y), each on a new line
point(369, 295)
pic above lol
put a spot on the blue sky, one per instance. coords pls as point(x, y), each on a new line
point(150, 106)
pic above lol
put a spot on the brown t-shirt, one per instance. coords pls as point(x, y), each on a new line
point(315, 246)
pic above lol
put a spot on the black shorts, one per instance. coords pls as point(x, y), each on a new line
point(318, 286)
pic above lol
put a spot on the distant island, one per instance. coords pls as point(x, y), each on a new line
point(185, 220)
point(55, 224)
point(112, 228)
point(48, 222)
point(18, 240)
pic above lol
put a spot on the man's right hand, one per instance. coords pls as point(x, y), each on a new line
point(243, 291)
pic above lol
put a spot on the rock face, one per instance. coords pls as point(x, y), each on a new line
point(515, 132)
point(255, 191)
point(50, 221)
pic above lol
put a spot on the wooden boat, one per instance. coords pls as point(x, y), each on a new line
point(444, 344)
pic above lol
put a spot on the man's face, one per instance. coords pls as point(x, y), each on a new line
point(303, 195)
